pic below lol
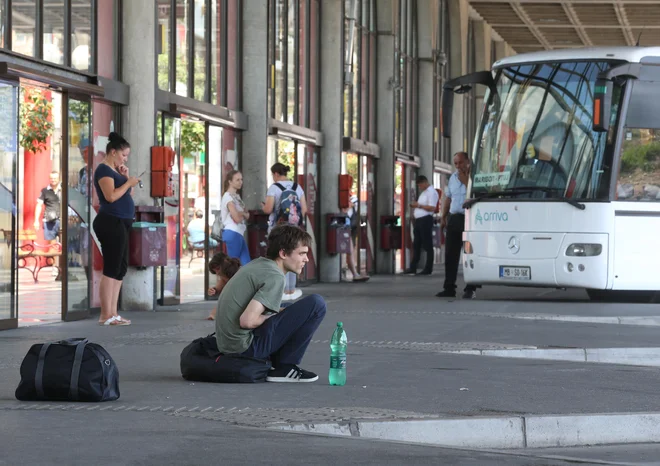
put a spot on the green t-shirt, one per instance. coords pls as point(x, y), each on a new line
point(261, 280)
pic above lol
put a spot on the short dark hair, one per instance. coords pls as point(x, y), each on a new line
point(280, 169)
point(422, 179)
point(116, 142)
point(286, 238)
point(462, 153)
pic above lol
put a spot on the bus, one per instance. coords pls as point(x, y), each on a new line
point(564, 187)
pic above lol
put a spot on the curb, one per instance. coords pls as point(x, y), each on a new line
point(649, 357)
point(510, 433)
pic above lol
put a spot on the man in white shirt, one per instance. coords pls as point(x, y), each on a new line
point(423, 229)
point(453, 219)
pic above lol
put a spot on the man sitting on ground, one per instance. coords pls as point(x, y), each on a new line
point(250, 319)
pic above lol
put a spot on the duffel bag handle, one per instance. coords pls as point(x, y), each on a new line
point(73, 341)
point(39, 376)
point(75, 370)
point(80, 344)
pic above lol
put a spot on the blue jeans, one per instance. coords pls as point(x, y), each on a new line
point(284, 338)
point(236, 246)
point(51, 229)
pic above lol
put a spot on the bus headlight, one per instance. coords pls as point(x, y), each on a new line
point(467, 247)
point(584, 249)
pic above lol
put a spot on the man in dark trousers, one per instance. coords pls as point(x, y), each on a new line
point(250, 319)
point(423, 229)
point(453, 219)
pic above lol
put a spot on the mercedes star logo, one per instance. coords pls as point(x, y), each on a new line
point(514, 245)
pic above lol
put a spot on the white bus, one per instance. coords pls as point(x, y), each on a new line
point(565, 182)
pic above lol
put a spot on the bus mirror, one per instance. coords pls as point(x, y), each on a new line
point(446, 111)
point(602, 105)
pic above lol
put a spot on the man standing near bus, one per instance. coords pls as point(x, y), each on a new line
point(453, 219)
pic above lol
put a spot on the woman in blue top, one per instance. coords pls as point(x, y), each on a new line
point(113, 187)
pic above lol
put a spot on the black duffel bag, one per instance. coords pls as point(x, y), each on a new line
point(202, 362)
point(68, 370)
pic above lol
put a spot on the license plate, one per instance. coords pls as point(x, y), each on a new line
point(515, 273)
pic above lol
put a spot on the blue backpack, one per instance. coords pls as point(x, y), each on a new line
point(290, 210)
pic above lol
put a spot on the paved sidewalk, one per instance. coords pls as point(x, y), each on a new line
point(397, 365)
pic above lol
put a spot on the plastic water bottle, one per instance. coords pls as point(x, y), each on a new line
point(338, 344)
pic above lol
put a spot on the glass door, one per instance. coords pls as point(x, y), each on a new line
point(41, 214)
point(77, 230)
point(194, 221)
point(367, 211)
point(168, 277)
point(8, 195)
point(214, 186)
point(307, 178)
point(405, 190)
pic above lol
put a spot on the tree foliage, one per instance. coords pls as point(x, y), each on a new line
point(35, 119)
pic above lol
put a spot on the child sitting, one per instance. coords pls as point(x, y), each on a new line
point(224, 267)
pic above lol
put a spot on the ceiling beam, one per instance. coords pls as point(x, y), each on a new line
point(575, 20)
point(517, 7)
point(623, 20)
point(586, 27)
point(623, 2)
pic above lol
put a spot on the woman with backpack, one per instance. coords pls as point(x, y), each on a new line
point(234, 216)
point(285, 202)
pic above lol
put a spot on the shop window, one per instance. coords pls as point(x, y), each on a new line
point(293, 60)
point(359, 68)
point(40, 30)
point(81, 34)
point(53, 32)
point(197, 50)
point(405, 56)
point(23, 30)
point(441, 148)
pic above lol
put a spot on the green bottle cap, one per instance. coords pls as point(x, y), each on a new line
point(340, 324)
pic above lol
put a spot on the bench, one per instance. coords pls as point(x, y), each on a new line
point(30, 254)
point(197, 249)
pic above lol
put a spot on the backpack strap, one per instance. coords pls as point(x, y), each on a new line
point(294, 187)
point(280, 186)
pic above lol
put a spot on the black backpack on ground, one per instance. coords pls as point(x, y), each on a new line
point(202, 362)
point(68, 370)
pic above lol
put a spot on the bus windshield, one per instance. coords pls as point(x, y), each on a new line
point(536, 138)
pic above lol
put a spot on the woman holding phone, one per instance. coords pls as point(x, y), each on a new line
point(111, 225)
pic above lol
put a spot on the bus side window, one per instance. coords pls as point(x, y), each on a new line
point(639, 170)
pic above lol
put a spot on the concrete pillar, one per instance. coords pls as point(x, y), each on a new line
point(255, 103)
point(458, 25)
point(483, 43)
point(500, 50)
point(510, 51)
point(138, 127)
point(385, 125)
point(332, 85)
point(425, 24)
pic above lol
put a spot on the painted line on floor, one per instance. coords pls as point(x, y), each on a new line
point(507, 432)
